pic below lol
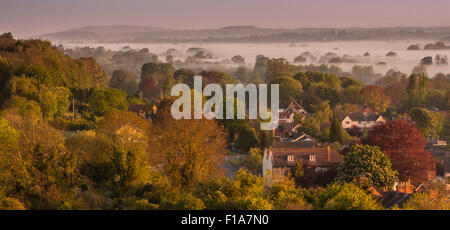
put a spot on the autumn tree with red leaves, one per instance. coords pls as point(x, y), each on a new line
point(354, 131)
point(404, 144)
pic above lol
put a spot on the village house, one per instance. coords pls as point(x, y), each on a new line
point(362, 119)
point(435, 142)
point(287, 114)
point(129, 132)
point(281, 160)
point(400, 194)
point(301, 138)
point(285, 130)
point(286, 120)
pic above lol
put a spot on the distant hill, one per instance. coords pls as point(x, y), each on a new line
point(119, 29)
point(243, 34)
point(105, 33)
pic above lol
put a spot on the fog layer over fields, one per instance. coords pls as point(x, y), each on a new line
point(355, 52)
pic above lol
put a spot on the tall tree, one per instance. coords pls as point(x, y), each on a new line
point(417, 89)
point(322, 112)
point(114, 156)
point(158, 71)
point(54, 101)
point(375, 97)
point(6, 73)
point(254, 160)
point(124, 80)
point(190, 149)
point(248, 138)
point(404, 145)
point(336, 132)
point(430, 123)
point(289, 89)
point(185, 76)
point(95, 70)
point(149, 88)
point(277, 68)
point(299, 173)
point(8, 137)
point(261, 66)
point(40, 172)
point(103, 101)
point(364, 162)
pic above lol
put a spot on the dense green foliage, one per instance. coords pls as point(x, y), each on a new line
point(430, 123)
point(290, 88)
point(346, 197)
point(367, 164)
point(254, 160)
point(336, 132)
point(104, 101)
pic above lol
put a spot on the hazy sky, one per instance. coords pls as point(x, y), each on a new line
point(31, 17)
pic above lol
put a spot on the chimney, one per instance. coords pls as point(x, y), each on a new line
point(328, 154)
point(405, 187)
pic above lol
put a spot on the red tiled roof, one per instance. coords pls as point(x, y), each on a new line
point(289, 144)
point(324, 156)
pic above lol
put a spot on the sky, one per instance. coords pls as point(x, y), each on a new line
point(34, 17)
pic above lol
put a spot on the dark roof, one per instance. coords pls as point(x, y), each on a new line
point(324, 156)
point(364, 116)
point(299, 144)
point(390, 199)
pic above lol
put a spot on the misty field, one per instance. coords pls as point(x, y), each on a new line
point(404, 61)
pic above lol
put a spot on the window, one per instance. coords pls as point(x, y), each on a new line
point(290, 158)
point(347, 122)
point(312, 157)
